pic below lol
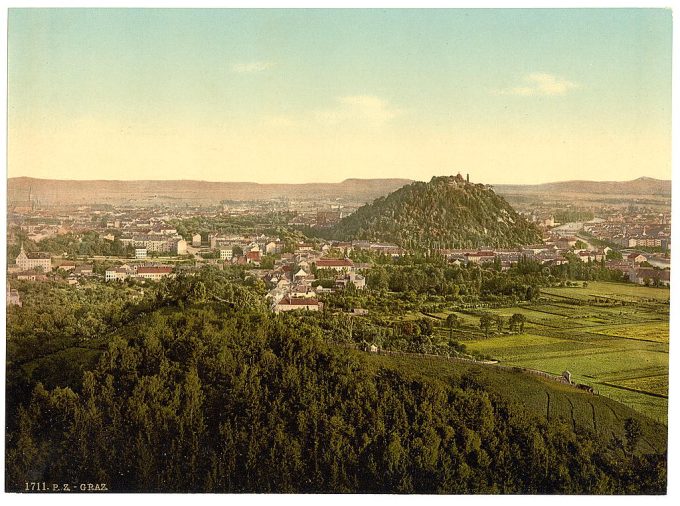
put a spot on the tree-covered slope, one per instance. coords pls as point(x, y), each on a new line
point(209, 395)
point(446, 212)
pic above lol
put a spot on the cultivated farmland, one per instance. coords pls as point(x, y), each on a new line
point(613, 337)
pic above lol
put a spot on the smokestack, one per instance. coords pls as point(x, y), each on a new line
point(468, 177)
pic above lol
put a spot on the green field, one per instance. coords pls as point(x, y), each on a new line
point(651, 331)
point(621, 291)
point(613, 337)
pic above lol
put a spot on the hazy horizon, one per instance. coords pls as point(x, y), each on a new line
point(516, 96)
point(342, 180)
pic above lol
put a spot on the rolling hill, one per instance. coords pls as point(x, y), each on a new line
point(53, 191)
point(639, 186)
point(446, 212)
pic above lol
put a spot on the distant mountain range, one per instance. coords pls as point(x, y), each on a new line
point(639, 186)
point(53, 191)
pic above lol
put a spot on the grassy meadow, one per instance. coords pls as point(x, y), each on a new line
point(613, 337)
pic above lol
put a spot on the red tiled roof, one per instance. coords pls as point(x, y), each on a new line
point(334, 262)
point(154, 270)
point(298, 301)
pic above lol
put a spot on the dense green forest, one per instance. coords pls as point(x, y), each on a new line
point(446, 212)
point(198, 387)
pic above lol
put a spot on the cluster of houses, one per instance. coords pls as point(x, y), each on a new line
point(295, 282)
point(39, 231)
point(554, 253)
point(644, 233)
point(303, 271)
point(134, 226)
point(251, 249)
point(550, 253)
point(640, 228)
point(75, 272)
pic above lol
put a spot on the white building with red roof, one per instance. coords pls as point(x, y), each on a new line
point(336, 264)
point(289, 303)
point(154, 273)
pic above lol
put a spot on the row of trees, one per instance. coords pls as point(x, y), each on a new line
point(488, 321)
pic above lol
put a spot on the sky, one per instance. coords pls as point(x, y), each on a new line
point(291, 95)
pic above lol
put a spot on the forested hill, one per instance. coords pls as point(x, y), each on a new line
point(197, 394)
point(446, 212)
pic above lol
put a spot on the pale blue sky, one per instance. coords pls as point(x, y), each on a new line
point(321, 95)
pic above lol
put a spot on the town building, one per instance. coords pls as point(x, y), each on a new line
point(337, 264)
point(67, 266)
point(637, 258)
point(481, 257)
point(117, 273)
point(84, 270)
point(30, 261)
point(154, 273)
point(293, 303)
point(649, 275)
point(156, 243)
point(352, 278)
point(253, 257)
point(13, 298)
point(273, 247)
point(31, 276)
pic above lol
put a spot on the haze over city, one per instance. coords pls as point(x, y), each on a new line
point(323, 95)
